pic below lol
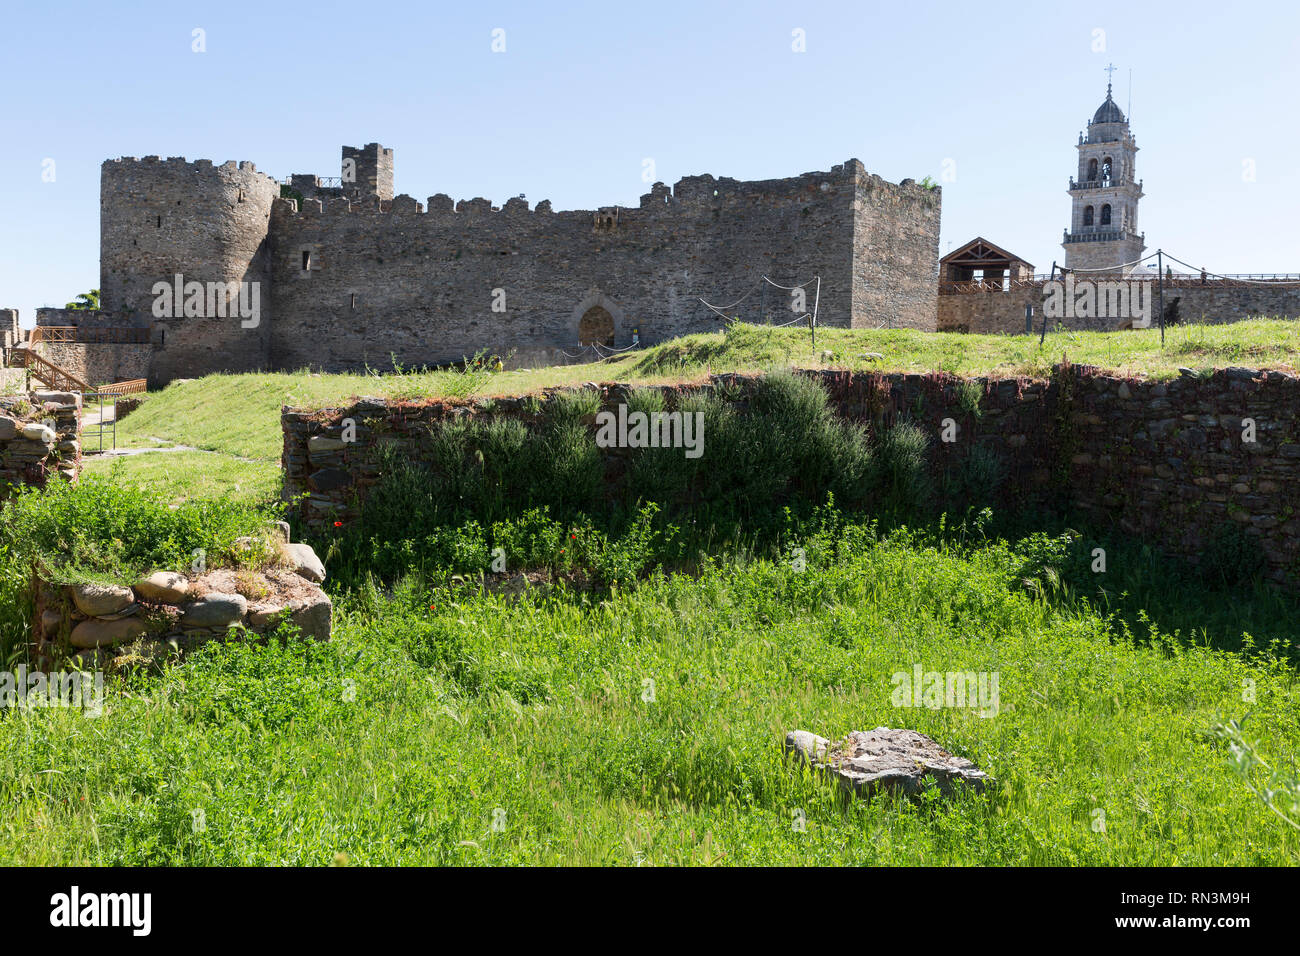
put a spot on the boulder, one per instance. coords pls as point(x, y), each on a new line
point(166, 587)
point(50, 621)
point(96, 599)
point(899, 761)
point(96, 633)
point(312, 616)
point(8, 428)
point(303, 560)
point(282, 530)
point(215, 610)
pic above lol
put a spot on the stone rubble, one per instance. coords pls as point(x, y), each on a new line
point(892, 760)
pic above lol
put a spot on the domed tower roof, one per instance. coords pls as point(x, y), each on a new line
point(1108, 112)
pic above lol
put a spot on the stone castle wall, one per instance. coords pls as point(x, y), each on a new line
point(1212, 303)
point(208, 223)
point(1162, 460)
point(396, 280)
point(350, 284)
point(895, 246)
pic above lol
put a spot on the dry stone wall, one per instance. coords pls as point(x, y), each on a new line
point(40, 436)
point(116, 626)
point(1171, 461)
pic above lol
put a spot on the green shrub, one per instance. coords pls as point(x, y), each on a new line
point(102, 529)
point(901, 476)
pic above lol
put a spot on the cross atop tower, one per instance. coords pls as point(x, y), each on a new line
point(1110, 68)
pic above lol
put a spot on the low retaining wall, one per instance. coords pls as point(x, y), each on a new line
point(1170, 461)
point(40, 435)
point(1185, 301)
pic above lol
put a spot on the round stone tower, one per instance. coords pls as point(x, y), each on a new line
point(200, 231)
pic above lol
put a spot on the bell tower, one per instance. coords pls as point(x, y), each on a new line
point(1104, 199)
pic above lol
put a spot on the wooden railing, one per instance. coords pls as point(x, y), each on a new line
point(108, 335)
point(46, 372)
point(123, 388)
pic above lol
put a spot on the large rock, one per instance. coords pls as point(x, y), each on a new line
point(8, 428)
point(312, 616)
point(215, 610)
point(166, 587)
point(900, 761)
point(96, 599)
point(303, 560)
point(94, 633)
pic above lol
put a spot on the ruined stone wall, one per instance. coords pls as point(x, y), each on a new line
point(11, 333)
point(40, 436)
point(1167, 461)
point(1163, 460)
point(167, 613)
point(208, 223)
point(1213, 303)
point(391, 279)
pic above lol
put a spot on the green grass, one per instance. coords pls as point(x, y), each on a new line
point(239, 414)
point(434, 712)
point(192, 475)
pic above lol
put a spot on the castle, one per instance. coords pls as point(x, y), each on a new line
point(207, 268)
point(342, 275)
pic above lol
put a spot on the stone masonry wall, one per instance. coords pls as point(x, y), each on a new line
point(208, 223)
point(1213, 303)
point(895, 255)
point(394, 280)
point(1164, 460)
point(40, 435)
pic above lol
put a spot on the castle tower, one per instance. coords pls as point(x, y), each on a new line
point(1103, 224)
point(367, 172)
point(206, 223)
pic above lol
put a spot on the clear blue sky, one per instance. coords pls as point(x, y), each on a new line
point(584, 92)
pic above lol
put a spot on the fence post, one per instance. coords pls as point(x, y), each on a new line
point(1160, 302)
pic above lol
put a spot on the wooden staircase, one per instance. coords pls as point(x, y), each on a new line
point(59, 379)
point(54, 377)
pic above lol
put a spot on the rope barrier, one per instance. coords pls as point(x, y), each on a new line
point(1274, 283)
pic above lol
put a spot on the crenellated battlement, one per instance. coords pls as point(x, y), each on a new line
point(690, 195)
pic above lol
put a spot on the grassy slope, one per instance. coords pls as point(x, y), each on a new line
point(238, 415)
point(539, 709)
